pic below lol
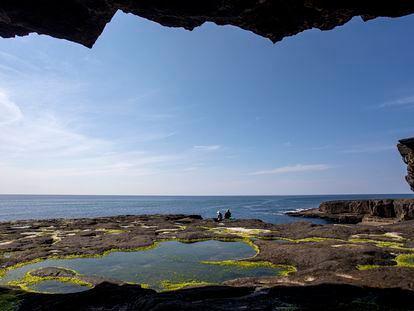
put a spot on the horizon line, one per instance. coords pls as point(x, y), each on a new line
point(203, 195)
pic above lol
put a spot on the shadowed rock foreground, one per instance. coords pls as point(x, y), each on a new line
point(129, 297)
point(83, 21)
point(354, 255)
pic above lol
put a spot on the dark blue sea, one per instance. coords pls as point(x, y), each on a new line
point(267, 208)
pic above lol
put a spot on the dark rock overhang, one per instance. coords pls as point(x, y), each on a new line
point(83, 21)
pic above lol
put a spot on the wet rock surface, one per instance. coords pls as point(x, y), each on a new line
point(84, 21)
point(367, 211)
point(406, 149)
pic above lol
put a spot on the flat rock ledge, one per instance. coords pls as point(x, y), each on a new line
point(362, 211)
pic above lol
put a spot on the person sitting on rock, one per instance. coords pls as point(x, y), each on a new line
point(219, 216)
point(227, 214)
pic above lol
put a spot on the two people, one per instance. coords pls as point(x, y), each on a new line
point(227, 215)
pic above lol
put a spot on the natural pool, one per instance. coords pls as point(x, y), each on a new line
point(163, 267)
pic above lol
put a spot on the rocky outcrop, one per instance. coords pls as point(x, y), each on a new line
point(406, 148)
point(83, 21)
point(355, 211)
point(53, 272)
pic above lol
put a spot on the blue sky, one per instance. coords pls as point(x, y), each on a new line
point(154, 110)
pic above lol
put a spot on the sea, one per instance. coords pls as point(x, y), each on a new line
point(270, 209)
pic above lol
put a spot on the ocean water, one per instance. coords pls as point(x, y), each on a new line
point(267, 208)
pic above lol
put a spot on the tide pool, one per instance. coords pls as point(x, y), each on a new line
point(168, 265)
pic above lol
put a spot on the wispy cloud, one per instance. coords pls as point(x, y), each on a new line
point(369, 149)
point(155, 116)
point(9, 111)
point(325, 147)
point(401, 102)
point(294, 169)
point(42, 136)
point(46, 144)
point(206, 147)
point(153, 136)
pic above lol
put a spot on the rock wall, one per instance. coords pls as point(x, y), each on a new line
point(406, 148)
point(401, 209)
point(83, 21)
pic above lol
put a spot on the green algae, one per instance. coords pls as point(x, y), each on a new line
point(171, 286)
point(402, 260)
point(257, 233)
point(302, 240)
point(9, 301)
point(30, 279)
point(143, 285)
point(316, 239)
point(111, 231)
point(383, 244)
point(286, 269)
point(405, 260)
point(368, 267)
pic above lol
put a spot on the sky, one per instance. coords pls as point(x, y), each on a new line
point(216, 111)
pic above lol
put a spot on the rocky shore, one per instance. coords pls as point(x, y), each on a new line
point(353, 255)
point(372, 212)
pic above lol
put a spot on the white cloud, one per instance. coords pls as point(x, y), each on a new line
point(401, 102)
point(294, 169)
point(9, 111)
point(206, 147)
